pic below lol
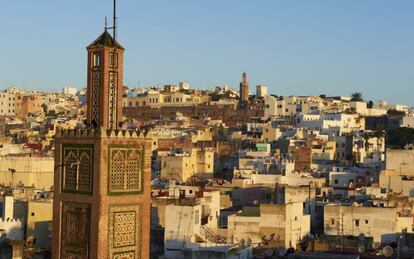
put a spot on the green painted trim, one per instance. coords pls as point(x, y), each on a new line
point(78, 147)
point(125, 207)
point(141, 149)
point(123, 252)
point(135, 228)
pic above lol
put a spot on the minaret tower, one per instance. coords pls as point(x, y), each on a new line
point(244, 91)
point(105, 71)
point(102, 181)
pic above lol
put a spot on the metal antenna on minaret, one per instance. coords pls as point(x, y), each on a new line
point(114, 22)
point(106, 23)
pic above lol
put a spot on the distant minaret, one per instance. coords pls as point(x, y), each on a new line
point(244, 91)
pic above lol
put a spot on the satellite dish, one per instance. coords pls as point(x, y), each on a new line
point(267, 238)
point(376, 245)
point(404, 249)
point(282, 252)
point(30, 241)
point(268, 252)
point(387, 251)
point(361, 248)
point(290, 250)
point(242, 242)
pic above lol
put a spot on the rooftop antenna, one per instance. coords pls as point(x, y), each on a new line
point(114, 22)
point(106, 23)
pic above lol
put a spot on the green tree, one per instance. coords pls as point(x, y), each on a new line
point(357, 97)
point(399, 137)
point(395, 113)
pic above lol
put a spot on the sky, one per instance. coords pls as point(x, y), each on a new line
point(296, 47)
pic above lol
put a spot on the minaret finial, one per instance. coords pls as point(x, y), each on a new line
point(106, 23)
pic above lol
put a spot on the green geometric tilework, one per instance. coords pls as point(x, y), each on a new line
point(124, 255)
point(124, 230)
point(125, 170)
point(77, 168)
point(75, 227)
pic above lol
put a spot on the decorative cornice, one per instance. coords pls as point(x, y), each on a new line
point(100, 133)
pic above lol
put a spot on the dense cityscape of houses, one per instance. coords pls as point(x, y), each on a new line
point(234, 174)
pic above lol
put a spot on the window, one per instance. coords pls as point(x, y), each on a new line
point(96, 60)
point(357, 223)
point(366, 221)
point(32, 214)
point(332, 221)
point(336, 181)
point(112, 60)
